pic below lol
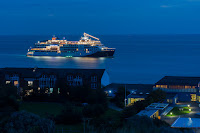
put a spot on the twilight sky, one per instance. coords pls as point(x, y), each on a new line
point(47, 17)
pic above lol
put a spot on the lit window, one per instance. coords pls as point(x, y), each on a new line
point(16, 83)
point(7, 82)
point(58, 90)
point(51, 90)
point(94, 78)
point(30, 83)
point(93, 85)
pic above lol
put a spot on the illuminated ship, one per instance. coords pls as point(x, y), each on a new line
point(87, 46)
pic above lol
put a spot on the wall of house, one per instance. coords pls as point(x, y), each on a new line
point(133, 100)
point(155, 115)
point(105, 80)
point(177, 90)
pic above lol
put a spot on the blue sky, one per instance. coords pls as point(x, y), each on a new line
point(47, 17)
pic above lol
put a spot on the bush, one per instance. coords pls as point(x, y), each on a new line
point(21, 122)
point(120, 97)
point(70, 115)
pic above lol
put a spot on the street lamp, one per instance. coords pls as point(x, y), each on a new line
point(188, 105)
point(170, 113)
point(189, 109)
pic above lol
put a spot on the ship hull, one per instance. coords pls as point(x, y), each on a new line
point(102, 54)
point(64, 54)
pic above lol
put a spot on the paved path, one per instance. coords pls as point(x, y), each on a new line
point(167, 111)
point(113, 106)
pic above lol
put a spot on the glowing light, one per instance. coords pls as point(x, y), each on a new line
point(188, 105)
point(189, 109)
point(170, 113)
point(110, 91)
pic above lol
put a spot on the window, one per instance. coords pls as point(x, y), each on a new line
point(69, 77)
point(58, 90)
point(93, 86)
point(7, 82)
point(16, 83)
point(30, 83)
point(78, 77)
point(51, 90)
point(94, 78)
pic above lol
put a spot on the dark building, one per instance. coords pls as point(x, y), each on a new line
point(47, 79)
point(187, 88)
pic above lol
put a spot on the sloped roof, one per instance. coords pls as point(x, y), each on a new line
point(62, 72)
point(148, 113)
point(144, 88)
point(179, 80)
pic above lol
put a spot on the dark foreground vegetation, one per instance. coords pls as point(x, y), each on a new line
point(77, 110)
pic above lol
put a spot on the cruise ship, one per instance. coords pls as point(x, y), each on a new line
point(87, 46)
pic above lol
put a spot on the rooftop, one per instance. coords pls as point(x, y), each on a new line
point(157, 106)
point(140, 88)
point(179, 80)
point(148, 113)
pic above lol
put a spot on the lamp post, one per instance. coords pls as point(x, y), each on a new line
point(171, 113)
point(125, 97)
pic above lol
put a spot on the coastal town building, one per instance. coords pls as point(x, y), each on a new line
point(154, 110)
point(48, 80)
point(149, 113)
point(138, 92)
point(186, 88)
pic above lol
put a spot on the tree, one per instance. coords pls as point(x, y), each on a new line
point(22, 121)
point(8, 96)
point(120, 97)
point(79, 93)
point(70, 115)
point(97, 96)
point(157, 96)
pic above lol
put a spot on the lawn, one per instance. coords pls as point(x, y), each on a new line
point(68, 128)
point(42, 108)
point(175, 111)
point(110, 113)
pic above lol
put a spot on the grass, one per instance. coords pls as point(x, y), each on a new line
point(110, 113)
point(41, 108)
point(74, 127)
point(175, 111)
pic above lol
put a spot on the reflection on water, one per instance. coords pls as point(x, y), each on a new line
point(69, 62)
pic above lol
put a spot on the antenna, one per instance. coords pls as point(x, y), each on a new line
point(87, 35)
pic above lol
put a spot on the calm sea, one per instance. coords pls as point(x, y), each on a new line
point(138, 58)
